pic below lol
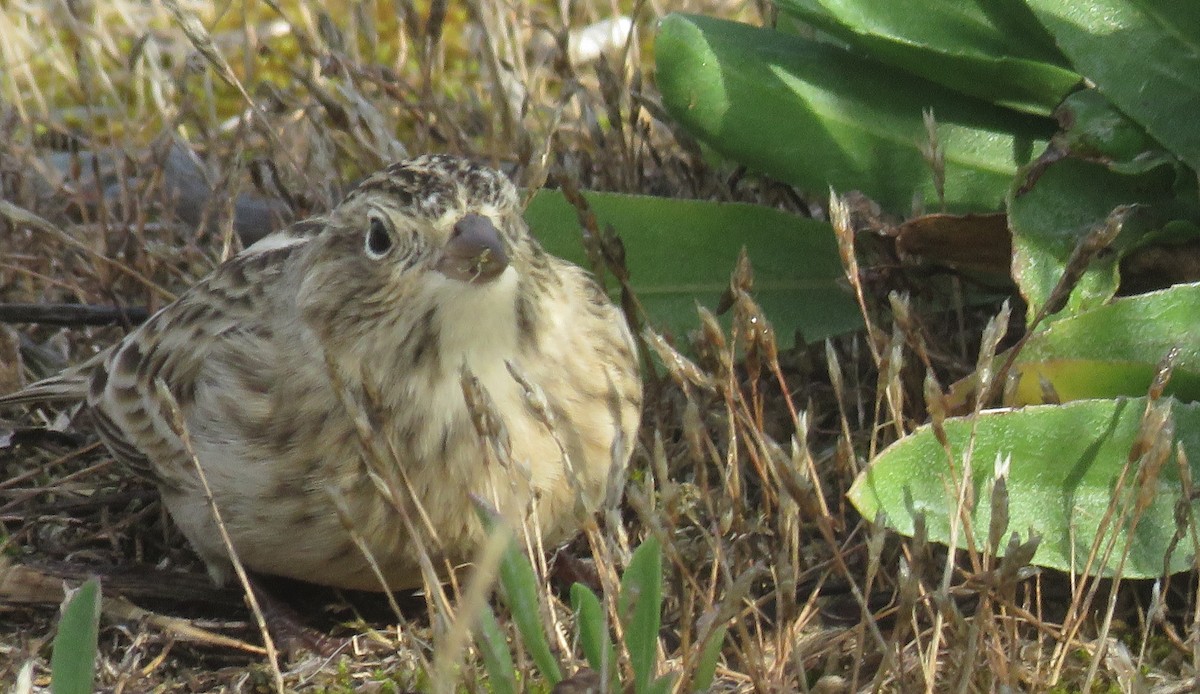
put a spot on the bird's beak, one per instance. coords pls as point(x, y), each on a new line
point(475, 253)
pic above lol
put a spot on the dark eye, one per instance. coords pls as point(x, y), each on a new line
point(379, 241)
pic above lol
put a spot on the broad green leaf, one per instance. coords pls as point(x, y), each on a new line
point(1144, 55)
point(996, 52)
point(640, 606)
point(680, 252)
point(814, 115)
point(1093, 129)
point(1065, 462)
point(593, 634)
point(1077, 379)
point(1069, 199)
point(1115, 349)
point(73, 662)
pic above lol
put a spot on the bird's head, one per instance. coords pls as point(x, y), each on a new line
point(436, 232)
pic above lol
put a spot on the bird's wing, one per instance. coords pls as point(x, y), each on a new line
point(210, 322)
point(220, 289)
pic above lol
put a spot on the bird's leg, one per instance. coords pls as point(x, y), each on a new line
point(287, 627)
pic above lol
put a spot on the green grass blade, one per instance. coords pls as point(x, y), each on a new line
point(640, 607)
point(519, 590)
point(593, 634)
point(706, 666)
point(73, 662)
point(497, 658)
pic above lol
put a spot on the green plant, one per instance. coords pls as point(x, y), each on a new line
point(639, 607)
point(73, 662)
point(946, 105)
point(680, 252)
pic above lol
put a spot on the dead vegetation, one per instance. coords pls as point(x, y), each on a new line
point(143, 143)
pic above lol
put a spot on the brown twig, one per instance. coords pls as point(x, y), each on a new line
point(71, 315)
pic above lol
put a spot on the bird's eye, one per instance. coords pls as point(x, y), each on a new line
point(379, 241)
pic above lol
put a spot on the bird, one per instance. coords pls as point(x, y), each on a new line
point(342, 389)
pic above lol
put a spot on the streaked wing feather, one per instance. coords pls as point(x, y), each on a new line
point(176, 346)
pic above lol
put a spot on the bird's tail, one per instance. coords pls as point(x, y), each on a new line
point(60, 388)
point(71, 385)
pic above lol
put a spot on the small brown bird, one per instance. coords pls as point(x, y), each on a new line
point(379, 364)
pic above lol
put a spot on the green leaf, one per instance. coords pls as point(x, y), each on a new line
point(497, 659)
point(1143, 55)
point(1065, 461)
point(519, 589)
point(73, 662)
point(816, 116)
point(706, 665)
point(593, 634)
point(998, 52)
point(1069, 199)
point(1115, 349)
point(640, 605)
point(662, 685)
point(1095, 130)
point(680, 252)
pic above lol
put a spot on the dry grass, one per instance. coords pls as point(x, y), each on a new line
point(745, 452)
